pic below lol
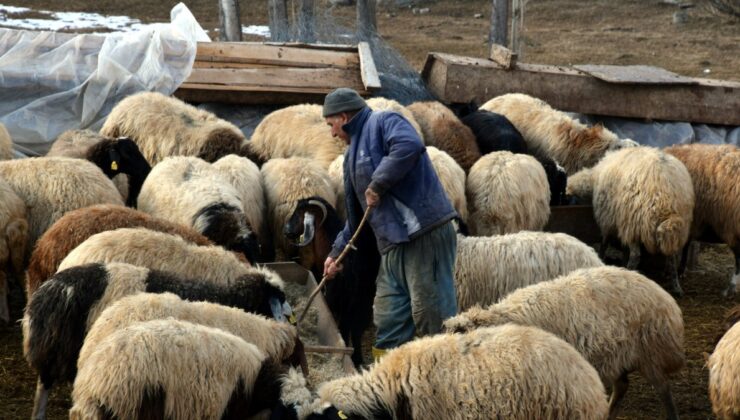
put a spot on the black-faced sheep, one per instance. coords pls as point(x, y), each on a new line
point(714, 173)
point(296, 131)
point(315, 225)
point(724, 371)
point(619, 320)
point(64, 308)
point(489, 268)
point(190, 191)
point(171, 369)
point(13, 237)
point(552, 133)
point(163, 126)
point(510, 371)
point(443, 130)
point(643, 197)
point(50, 187)
point(507, 193)
point(6, 144)
point(119, 159)
point(78, 225)
point(452, 178)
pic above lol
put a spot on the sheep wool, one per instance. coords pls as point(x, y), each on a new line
point(6, 144)
point(163, 126)
point(196, 372)
point(507, 193)
point(245, 177)
point(336, 173)
point(296, 131)
point(13, 237)
point(488, 268)
point(553, 133)
point(591, 307)
point(452, 178)
point(505, 372)
point(724, 369)
point(385, 104)
point(442, 129)
point(50, 187)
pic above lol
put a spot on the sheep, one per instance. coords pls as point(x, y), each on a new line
point(442, 129)
point(188, 190)
point(713, 171)
point(619, 320)
point(642, 196)
point(163, 126)
point(65, 307)
point(724, 371)
point(509, 371)
point(6, 144)
point(78, 225)
point(489, 268)
point(452, 177)
point(50, 187)
point(554, 134)
point(175, 370)
point(120, 159)
point(296, 131)
point(507, 193)
point(315, 224)
point(385, 104)
point(336, 173)
point(13, 236)
point(285, 182)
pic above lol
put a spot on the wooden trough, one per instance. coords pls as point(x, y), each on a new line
point(257, 73)
point(577, 221)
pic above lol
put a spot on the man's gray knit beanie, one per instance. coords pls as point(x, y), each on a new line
point(342, 100)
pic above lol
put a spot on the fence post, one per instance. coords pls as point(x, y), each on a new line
point(499, 23)
point(306, 21)
point(366, 22)
point(279, 29)
point(228, 19)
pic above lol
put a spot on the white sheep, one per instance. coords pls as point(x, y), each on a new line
point(724, 371)
point(643, 197)
point(619, 320)
point(6, 144)
point(13, 237)
point(452, 178)
point(553, 133)
point(507, 193)
point(385, 104)
point(488, 268)
point(336, 173)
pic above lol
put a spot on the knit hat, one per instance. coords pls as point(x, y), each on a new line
point(342, 100)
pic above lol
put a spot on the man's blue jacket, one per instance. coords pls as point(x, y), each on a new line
point(386, 154)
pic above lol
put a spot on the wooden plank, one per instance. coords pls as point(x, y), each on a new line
point(310, 348)
point(252, 95)
point(499, 30)
point(265, 89)
point(225, 65)
point(635, 74)
point(283, 77)
point(503, 56)
point(368, 72)
point(314, 46)
point(258, 53)
point(456, 79)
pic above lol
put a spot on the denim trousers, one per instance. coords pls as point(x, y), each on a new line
point(415, 288)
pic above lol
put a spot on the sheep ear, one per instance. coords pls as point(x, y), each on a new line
point(320, 205)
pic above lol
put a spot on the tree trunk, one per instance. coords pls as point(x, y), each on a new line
point(499, 23)
point(279, 29)
point(306, 22)
point(366, 24)
point(228, 17)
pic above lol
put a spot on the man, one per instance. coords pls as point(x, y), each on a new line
point(386, 167)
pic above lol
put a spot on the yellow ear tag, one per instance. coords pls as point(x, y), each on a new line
point(114, 166)
point(292, 319)
point(342, 415)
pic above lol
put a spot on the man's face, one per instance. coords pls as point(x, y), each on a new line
point(336, 122)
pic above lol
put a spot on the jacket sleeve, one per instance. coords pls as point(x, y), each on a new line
point(341, 241)
point(404, 148)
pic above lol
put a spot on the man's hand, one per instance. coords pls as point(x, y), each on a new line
point(371, 198)
point(330, 268)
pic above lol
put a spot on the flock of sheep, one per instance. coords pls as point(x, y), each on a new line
point(143, 286)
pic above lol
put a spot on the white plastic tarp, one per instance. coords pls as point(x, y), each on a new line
point(52, 82)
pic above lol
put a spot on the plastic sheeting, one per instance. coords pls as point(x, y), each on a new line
point(52, 82)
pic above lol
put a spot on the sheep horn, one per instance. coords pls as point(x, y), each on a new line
point(320, 205)
point(308, 229)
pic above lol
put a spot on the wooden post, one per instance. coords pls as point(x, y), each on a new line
point(228, 19)
point(499, 23)
point(517, 22)
point(366, 23)
point(279, 29)
point(306, 22)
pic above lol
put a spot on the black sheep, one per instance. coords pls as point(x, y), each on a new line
point(121, 156)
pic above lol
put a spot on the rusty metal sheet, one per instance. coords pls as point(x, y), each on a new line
point(647, 75)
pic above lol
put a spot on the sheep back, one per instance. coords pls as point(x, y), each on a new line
point(507, 193)
point(452, 178)
point(13, 231)
point(385, 104)
point(724, 369)
point(6, 144)
point(245, 177)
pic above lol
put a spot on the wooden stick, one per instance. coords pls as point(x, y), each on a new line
point(328, 349)
point(346, 249)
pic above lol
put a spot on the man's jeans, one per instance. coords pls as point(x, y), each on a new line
point(415, 288)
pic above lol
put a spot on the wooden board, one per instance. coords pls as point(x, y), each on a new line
point(251, 95)
point(503, 56)
point(279, 77)
point(455, 79)
point(258, 53)
point(635, 74)
point(367, 67)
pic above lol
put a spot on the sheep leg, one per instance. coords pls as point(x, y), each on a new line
point(603, 247)
point(664, 389)
point(732, 287)
point(40, 401)
point(634, 260)
point(672, 268)
point(4, 312)
point(692, 257)
point(357, 344)
point(619, 389)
